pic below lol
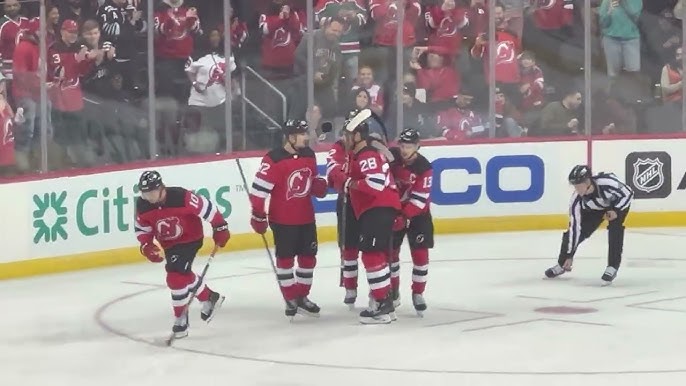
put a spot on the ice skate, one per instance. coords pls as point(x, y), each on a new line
point(291, 308)
point(395, 293)
point(210, 306)
point(307, 307)
point(378, 312)
point(608, 276)
point(350, 298)
point(554, 271)
point(180, 327)
point(419, 304)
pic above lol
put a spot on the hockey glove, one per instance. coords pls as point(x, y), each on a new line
point(400, 223)
point(259, 222)
point(221, 235)
point(319, 187)
point(152, 253)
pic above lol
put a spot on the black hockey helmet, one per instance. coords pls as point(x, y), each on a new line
point(409, 135)
point(295, 126)
point(149, 181)
point(579, 174)
point(357, 122)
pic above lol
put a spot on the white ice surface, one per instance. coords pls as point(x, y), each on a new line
point(482, 328)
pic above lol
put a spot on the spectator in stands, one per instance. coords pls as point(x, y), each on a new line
point(353, 13)
point(53, 15)
point(438, 77)
point(552, 26)
point(416, 114)
point(446, 22)
point(460, 122)
point(385, 15)
point(239, 32)
point(365, 79)
point(26, 92)
point(327, 70)
point(477, 14)
point(531, 90)
point(97, 81)
point(362, 100)
point(10, 26)
point(672, 75)
point(176, 25)
point(69, 61)
point(282, 30)
point(610, 115)
point(121, 25)
point(508, 48)
point(207, 70)
point(507, 116)
point(661, 42)
point(7, 122)
point(620, 35)
point(561, 117)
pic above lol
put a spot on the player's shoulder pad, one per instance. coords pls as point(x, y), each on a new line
point(368, 149)
point(421, 164)
point(278, 154)
point(176, 197)
point(143, 206)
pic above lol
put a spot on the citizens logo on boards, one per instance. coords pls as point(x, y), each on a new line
point(649, 174)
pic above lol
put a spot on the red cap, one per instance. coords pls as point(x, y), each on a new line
point(70, 26)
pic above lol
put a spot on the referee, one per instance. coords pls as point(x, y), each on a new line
point(595, 198)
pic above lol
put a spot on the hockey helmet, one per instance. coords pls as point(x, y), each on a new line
point(149, 181)
point(295, 126)
point(579, 174)
point(357, 122)
point(409, 135)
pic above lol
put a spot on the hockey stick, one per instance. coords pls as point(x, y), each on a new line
point(264, 238)
point(201, 279)
point(344, 211)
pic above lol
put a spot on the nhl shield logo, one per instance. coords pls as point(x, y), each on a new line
point(648, 174)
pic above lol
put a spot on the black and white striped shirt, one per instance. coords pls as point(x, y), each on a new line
point(609, 193)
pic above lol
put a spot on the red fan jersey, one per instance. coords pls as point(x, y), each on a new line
point(478, 20)
point(178, 220)
point(507, 48)
point(280, 38)
point(459, 124)
point(533, 97)
point(446, 27)
point(553, 14)
point(337, 164)
point(372, 182)
point(287, 177)
point(385, 14)
point(174, 32)
point(66, 70)
point(440, 83)
point(9, 37)
point(414, 183)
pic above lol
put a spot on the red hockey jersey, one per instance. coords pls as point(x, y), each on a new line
point(7, 136)
point(9, 37)
point(446, 28)
point(458, 124)
point(178, 220)
point(478, 20)
point(287, 178)
point(533, 97)
point(414, 183)
point(174, 32)
point(280, 38)
point(385, 14)
point(65, 70)
point(372, 184)
point(337, 164)
point(507, 48)
point(553, 14)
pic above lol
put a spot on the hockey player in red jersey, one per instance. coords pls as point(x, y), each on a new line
point(337, 164)
point(375, 202)
point(289, 175)
point(173, 216)
point(413, 174)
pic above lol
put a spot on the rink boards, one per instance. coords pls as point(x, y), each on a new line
point(83, 221)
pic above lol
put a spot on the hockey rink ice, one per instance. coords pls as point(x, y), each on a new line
point(492, 320)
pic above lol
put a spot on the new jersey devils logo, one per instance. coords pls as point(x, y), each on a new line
point(299, 183)
point(505, 52)
point(282, 38)
point(545, 4)
point(217, 73)
point(168, 228)
point(7, 133)
point(448, 27)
